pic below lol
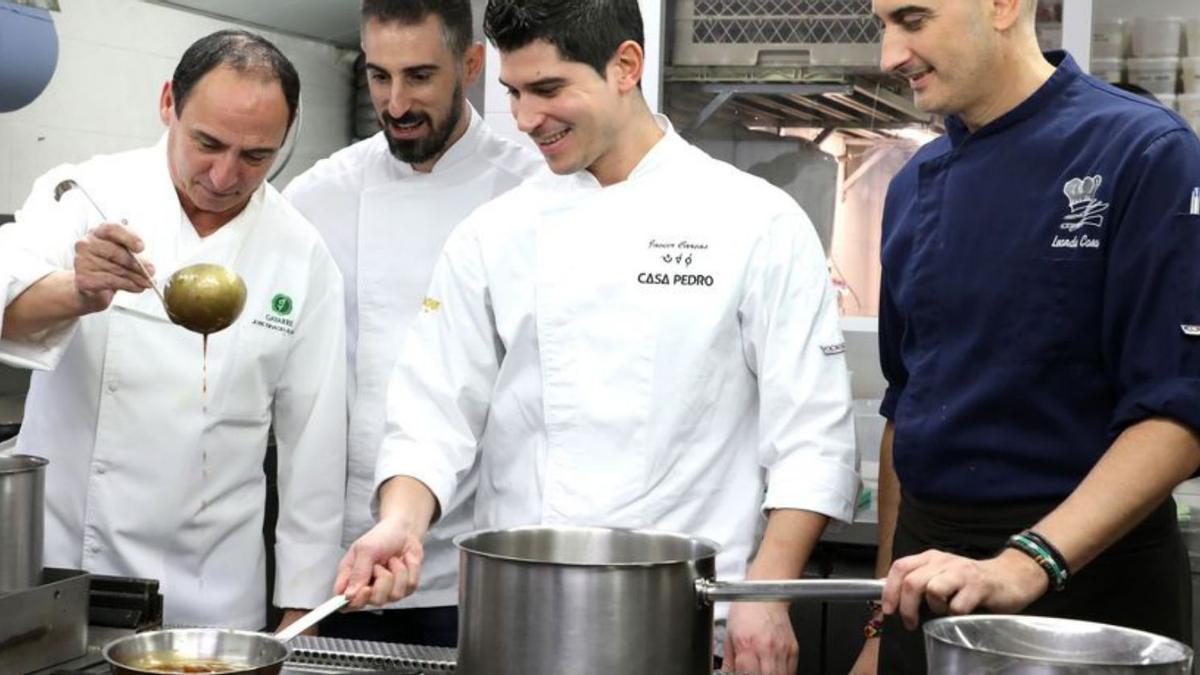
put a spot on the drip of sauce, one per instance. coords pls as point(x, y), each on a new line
point(204, 368)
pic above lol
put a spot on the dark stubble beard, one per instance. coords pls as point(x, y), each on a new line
point(424, 149)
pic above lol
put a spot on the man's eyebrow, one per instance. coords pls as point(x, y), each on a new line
point(213, 140)
point(207, 138)
point(899, 14)
point(544, 83)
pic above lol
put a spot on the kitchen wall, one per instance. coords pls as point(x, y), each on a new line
point(114, 56)
point(1126, 9)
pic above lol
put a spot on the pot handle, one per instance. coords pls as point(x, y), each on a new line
point(821, 590)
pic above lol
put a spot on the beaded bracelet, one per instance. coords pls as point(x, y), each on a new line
point(874, 625)
point(1044, 554)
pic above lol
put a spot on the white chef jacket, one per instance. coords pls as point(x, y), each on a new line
point(385, 224)
point(148, 475)
point(652, 354)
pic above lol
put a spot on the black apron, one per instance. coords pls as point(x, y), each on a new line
point(1142, 582)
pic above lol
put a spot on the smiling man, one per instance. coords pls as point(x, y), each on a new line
point(385, 206)
point(155, 468)
point(1037, 328)
point(590, 394)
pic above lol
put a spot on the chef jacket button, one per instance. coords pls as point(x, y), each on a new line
point(101, 469)
point(95, 549)
point(112, 387)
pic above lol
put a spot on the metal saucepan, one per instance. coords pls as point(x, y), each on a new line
point(1045, 646)
point(22, 520)
point(586, 601)
point(211, 650)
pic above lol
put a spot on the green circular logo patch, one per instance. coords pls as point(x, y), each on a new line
point(281, 304)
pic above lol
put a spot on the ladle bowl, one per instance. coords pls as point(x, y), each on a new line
point(205, 298)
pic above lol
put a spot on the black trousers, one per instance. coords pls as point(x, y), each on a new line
point(1142, 582)
point(436, 626)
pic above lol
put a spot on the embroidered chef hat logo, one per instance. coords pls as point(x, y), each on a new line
point(1080, 190)
point(1081, 199)
point(281, 304)
point(430, 305)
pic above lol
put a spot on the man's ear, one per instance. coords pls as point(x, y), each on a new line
point(1007, 13)
point(626, 65)
point(472, 62)
point(166, 103)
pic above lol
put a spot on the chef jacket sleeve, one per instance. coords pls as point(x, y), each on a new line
point(39, 242)
point(794, 345)
point(441, 386)
point(309, 418)
point(891, 321)
point(891, 327)
point(1152, 294)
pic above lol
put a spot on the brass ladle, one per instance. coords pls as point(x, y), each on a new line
point(204, 298)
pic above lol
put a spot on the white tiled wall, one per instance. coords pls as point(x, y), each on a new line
point(114, 56)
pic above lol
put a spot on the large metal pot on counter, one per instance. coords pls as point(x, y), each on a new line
point(22, 520)
point(550, 600)
point(1034, 645)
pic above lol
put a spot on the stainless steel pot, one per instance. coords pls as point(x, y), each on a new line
point(580, 600)
point(239, 652)
point(22, 518)
point(1033, 645)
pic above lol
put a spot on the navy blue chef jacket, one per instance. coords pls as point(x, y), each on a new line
point(1041, 288)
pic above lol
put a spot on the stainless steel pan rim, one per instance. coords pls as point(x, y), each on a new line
point(681, 549)
point(20, 463)
point(949, 631)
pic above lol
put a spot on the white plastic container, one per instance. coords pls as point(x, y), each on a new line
point(1110, 39)
point(1109, 70)
point(1193, 37)
point(1189, 109)
point(1190, 74)
point(1159, 75)
point(1157, 36)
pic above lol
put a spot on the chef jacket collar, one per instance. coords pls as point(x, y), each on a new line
point(1066, 71)
point(659, 153)
point(462, 150)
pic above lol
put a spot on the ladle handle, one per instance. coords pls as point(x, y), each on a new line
point(823, 590)
point(149, 278)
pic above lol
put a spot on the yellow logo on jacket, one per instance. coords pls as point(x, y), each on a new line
point(431, 305)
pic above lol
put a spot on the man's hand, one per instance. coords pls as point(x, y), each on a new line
point(383, 566)
point(105, 264)
point(867, 662)
point(953, 584)
point(290, 616)
point(760, 640)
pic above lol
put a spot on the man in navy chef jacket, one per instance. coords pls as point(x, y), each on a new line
point(1038, 329)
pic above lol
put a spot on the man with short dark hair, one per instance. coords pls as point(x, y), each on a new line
point(1038, 330)
point(646, 338)
point(385, 206)
point(155, 437)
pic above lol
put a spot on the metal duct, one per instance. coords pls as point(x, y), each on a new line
point(28, 54)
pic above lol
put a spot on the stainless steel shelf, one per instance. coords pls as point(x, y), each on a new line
point(861, 101)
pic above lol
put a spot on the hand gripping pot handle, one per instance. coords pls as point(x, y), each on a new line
point(820, 590)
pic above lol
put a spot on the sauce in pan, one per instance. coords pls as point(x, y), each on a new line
point(158, 664)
